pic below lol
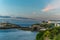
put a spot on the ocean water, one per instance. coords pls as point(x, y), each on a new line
point(21, 22)
point(14, 34)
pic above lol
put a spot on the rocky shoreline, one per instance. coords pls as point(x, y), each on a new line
point(14, 26)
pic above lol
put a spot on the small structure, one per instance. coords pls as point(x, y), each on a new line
point(43, 29)
point(55, 22)
point(36, 27)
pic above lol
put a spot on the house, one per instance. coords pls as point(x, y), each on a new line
point(55, 22)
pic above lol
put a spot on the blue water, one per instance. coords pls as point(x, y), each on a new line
point(22, 22)
point(14, 34)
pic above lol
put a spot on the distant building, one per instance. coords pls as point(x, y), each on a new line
point(55, 22)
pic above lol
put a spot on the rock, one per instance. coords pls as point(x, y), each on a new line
point(9, 25)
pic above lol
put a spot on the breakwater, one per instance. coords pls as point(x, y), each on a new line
point(12, 26)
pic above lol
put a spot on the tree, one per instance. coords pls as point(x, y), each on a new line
point(39, 36)
point(49, 34)
point(45, 25)
point(43, 35)
point(46, 35)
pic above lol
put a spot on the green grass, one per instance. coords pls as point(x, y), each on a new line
point(58, 37)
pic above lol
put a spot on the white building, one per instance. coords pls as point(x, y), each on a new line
point(55, 22)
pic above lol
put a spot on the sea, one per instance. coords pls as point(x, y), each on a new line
point(15, 34)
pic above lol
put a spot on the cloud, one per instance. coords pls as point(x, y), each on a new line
point(54, 4)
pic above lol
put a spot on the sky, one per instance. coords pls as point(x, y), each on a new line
point(37, 9)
